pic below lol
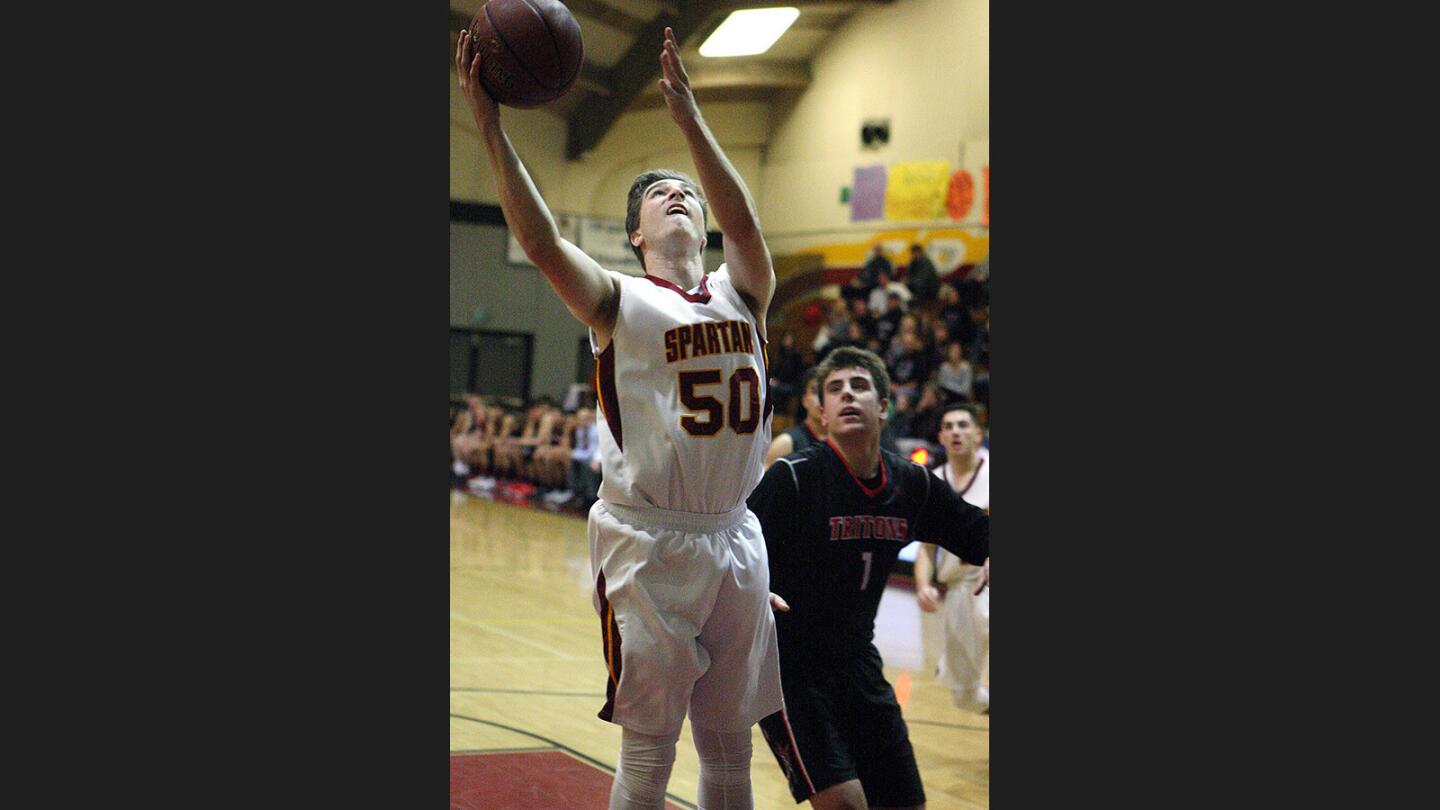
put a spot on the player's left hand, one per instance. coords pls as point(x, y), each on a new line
point(467, 66)
point(776, 603)
point(675, 86)
point(985, 578)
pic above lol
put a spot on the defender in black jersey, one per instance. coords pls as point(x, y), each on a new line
point(835, 517)
point(807, 432)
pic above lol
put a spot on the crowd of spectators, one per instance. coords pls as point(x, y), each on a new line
point(540, 453)
point(933, 336)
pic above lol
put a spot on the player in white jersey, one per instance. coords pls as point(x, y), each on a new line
point(680, 568)
point(967, 615)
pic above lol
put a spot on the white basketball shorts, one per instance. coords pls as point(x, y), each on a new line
point(683, 600)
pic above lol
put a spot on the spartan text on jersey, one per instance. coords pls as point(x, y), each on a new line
point(709, 337)
point(869, 527)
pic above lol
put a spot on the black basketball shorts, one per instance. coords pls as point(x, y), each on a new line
point(839, 724)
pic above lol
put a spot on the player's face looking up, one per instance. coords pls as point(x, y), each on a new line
point(668, 205)
point(959, 433)
point(850, 402)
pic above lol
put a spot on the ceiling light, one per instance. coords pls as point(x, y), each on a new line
point(748, 32)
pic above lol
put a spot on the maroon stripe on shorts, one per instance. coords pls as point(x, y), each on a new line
point(610, 638)
point(609, 399)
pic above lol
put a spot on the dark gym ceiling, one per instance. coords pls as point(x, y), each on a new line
point(622, 48)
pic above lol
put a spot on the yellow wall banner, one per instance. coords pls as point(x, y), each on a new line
point(917, 190)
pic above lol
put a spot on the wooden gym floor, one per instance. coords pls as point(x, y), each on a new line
point(527, 677)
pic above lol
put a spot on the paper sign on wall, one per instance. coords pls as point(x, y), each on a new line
point(867, 201)
point(917, 191)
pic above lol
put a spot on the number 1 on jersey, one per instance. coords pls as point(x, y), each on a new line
point(865, 580)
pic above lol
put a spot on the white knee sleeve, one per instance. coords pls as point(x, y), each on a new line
point(724, 769)
point(643, 771)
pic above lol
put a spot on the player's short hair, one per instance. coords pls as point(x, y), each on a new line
point(811, 374)
point(961, 406)
point(637, 190)
point(852, 357)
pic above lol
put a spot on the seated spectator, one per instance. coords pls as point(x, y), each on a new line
point(865, 280)
point(911, 368)
point(467, 431)
point(955, 376)
point(513, 450)
point(882, 292)
point(974, 289)
point(928, 411)
point(887, 323)
point(955, 315)
point(935, 343)
point(834, 329)
point(585, 461)
point(921, 276)
point(786, 374)
point(551, 461)
point(860, 314)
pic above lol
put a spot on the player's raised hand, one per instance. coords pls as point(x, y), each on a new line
point(675, 83)
point(467, 66)
point(929, 598)
point(985, 579)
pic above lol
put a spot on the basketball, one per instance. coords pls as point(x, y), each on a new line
point(530, 50)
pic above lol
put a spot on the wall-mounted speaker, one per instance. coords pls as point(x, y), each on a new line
point(875, 133)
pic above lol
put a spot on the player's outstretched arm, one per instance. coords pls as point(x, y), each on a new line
point(959, 527)
point(590, 293)
point(746, 255)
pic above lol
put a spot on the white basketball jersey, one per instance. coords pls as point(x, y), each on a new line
point(683, 387)
point(948, 566)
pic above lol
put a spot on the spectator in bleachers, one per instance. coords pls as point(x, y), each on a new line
point(583, 464)
point(974, 289)
point(787, 374)
point(887, 323)
point(467, 433)
point(925, 423)
point(921, 276)
point(837, 323)
point(955, 315)
point(551, 461)
point(869, 275)
point(911, 369)
point(955, 376)
point(936, 340)
point(887, 287)
point(512, 451)
point(860, 315)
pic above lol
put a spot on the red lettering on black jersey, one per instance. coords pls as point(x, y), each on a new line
point(869, 527)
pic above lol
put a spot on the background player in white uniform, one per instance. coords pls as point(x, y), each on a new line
point(681, 573)
point(967, 615)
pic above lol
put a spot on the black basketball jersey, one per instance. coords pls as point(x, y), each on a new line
point(800, 437)
point(832, 542)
